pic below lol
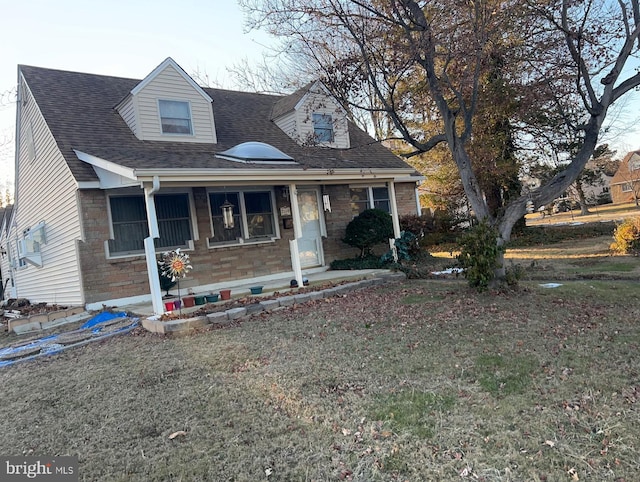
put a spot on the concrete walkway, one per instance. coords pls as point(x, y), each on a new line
point(241, 289)
point(229, 311)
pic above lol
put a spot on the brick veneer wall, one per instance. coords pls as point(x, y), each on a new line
point(340, 216)
point(105, 279)
point(116, 278)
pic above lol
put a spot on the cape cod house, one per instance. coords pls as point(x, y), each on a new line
point(110, 172)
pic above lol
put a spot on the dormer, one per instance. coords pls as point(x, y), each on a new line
point(168, 105)
point(312, 117)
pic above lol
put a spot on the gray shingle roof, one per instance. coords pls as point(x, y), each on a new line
point(288, 102)
point(79, 110)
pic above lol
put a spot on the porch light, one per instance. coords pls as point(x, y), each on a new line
point(227, 214)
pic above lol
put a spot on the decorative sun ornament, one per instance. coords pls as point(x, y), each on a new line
point(175, 264)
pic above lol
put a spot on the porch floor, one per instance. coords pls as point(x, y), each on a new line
point(242, 289)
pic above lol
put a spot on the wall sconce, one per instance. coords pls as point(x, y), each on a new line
point(227, 214)
point(285, 192)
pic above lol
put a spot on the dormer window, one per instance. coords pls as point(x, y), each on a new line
point(175, 117)
point(323, 127)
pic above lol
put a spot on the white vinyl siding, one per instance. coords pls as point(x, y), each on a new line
point(287, 123)
point(128, 112)
point(59, 279)
point(170, 85)
point(322, 104)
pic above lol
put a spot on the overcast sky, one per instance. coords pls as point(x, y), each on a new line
point(129, 38)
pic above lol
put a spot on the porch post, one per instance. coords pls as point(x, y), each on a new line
point(394, 209)
point(150, 249)
point(297, 234)
point(418, 206)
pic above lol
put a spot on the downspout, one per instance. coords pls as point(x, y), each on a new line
point(394, 209)
point(297, 233)
point(149, 247)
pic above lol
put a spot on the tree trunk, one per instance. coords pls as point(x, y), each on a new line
point(584, 209)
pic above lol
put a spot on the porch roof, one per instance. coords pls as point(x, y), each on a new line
point(79, 110)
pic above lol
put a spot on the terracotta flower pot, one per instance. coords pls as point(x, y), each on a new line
point(225, 294)
point(189, 301)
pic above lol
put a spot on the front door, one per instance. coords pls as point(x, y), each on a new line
point(310, 241)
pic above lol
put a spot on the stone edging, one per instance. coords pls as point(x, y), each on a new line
point(220, 318)
point(43, 321)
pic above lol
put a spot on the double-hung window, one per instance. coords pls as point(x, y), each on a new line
point(253, 216)
point(369, 197)
point(175, 117)
point(130, 227)
point(323, 127)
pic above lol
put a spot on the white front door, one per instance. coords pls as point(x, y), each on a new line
point(310, 242)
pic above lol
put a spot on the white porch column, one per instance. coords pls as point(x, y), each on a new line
point(154, 280)
point(394, 209)
point(297, 234)
point(150, 249)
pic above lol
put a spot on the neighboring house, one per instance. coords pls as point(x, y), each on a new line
point(601, 188)
point(625, 185)
point(110, 172)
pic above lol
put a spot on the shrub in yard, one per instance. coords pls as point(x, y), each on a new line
point(369, 228)
point(627, 237)
point(418, 225)
point(479, 255)
point(406, 247)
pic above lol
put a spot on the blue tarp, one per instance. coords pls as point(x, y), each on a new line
point(101, 318)
point(48, 345)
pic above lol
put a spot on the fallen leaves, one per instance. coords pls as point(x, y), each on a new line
point(179, 433)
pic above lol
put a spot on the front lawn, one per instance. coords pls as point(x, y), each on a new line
point(419, 380)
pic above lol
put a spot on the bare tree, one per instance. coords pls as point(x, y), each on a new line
point(424, 61)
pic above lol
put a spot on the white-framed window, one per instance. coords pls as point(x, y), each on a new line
point(29, 247)
point(634, 165)
point(627, 187)
point(369, 197)
point(175, 117)
point(254, 218)
point(323, 127)
point(129, 225)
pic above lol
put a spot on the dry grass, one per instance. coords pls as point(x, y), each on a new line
point(606, 212)
point(421, 380)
